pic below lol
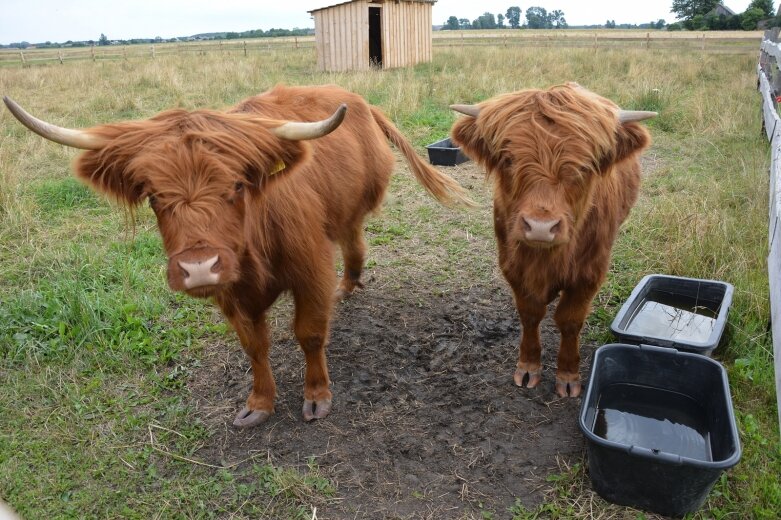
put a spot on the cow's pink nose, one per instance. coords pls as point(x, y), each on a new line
point(540, 230)
point(199, 274)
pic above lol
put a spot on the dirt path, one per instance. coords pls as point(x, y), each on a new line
point(426, 423)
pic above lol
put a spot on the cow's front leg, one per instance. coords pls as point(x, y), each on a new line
point(529, 368)
point(313, 311)
point(254, 338)
point(574, 306)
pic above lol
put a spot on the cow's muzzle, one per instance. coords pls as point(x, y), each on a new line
point(200, 273)
point(543, 231)
point(197, 270)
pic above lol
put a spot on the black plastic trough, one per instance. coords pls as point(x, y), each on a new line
point(659, 426)
point(445, 153)
point(670, 311)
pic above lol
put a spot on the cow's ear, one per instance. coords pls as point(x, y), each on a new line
point(277, 162)
point(466, 134)
point(106, 170)
point(292, 155)
point(632, 138)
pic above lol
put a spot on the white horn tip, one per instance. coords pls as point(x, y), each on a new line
point(333, 122)
point(628, 116)
point(338, 116)
point(469, 110)
point(12, 105)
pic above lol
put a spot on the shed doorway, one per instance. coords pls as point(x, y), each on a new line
point(375, 37)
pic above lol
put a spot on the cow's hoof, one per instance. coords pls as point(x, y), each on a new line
point(527, 378)
point(247, 418)
point(567, 388)
point(316, 409)
point(346, 288)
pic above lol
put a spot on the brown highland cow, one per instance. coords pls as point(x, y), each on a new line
point(249, 203)
point(566, 169)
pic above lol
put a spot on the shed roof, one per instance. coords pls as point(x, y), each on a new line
point(370, 1)
point(722, 10)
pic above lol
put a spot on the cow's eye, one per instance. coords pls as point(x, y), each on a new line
point(505, 163)
point(238, 190)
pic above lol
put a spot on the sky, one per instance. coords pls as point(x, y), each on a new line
point(37, 21)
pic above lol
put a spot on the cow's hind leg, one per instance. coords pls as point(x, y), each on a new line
point(255, 341)
point(353, 248)
point(571, 312)
point(313, 310)
point(529, 368)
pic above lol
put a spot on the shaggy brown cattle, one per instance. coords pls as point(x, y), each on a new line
point(248, 208)
point(566, 171)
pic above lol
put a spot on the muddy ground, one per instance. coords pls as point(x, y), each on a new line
point(426, 422)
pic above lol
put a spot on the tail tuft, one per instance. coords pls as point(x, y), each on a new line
point(442, 187)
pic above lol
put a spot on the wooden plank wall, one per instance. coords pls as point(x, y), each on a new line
point(342, 37)
point(319, 39)
point(342, 34)
point(769, 73)
point(406, 33)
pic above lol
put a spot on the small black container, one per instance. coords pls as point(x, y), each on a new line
point(659, 427)
point(445, 153)
point(670, 311)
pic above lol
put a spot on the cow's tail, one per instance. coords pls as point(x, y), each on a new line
point(445, 189)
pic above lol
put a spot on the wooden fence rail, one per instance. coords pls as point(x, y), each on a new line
point(114, 52)
point(770, 88)
point(716, 43)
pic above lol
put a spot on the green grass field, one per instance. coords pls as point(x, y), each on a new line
point(95, 351)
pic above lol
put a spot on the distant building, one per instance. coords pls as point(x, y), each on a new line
point(360, 34)
point(721, 10)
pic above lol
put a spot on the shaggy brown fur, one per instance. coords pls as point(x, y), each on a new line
point(558, 156)
point(222, 186)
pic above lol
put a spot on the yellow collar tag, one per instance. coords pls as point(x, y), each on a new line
point(277, 167)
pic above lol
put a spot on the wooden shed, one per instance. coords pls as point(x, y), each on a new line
point(359, 34)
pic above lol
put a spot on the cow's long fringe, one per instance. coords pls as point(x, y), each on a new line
point(443, 188)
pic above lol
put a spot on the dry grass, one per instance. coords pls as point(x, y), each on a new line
point(77, 294)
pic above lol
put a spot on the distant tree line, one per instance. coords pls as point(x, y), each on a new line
point(104, 40)
point(693, 15)
point(271, 33)
point(658, 24)
point(703, 15)
point(536, 18)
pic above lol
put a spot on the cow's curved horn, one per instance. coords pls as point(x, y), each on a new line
point(469, 110)
point(67, 136)
point(295, 131)
point(627, 116)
